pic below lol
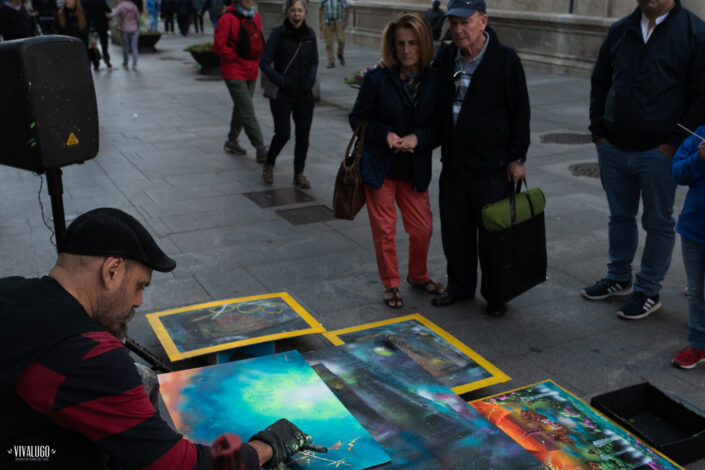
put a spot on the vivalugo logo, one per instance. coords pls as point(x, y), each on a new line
point(33, 453)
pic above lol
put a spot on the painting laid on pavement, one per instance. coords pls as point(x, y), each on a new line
point(226, 324)
point(246, 396)
point(445, 357)
point(419, 422)
point(565, 433)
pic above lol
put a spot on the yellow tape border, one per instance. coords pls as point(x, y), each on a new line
point(174, 354)
point(497, 375)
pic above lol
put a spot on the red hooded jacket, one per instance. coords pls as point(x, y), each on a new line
point(225, 37)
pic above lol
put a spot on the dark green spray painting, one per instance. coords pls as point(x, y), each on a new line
point(246, 396)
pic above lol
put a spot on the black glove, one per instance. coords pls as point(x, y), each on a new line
point(286, 440)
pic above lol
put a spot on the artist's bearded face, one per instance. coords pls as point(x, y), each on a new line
point(113, 312)
point(115, 309)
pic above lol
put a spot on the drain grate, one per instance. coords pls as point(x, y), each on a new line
point(170, 58)
point(208, 79)
point(279, 197)
point(307, 215)
point(591, 170)
point(566, 138)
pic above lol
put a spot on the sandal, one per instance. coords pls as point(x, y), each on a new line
point(392, 298)
point(431, 287)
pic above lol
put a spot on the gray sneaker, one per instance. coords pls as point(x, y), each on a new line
point(262, 152)
point(232, 146)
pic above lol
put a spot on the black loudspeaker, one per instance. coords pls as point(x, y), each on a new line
point(48, 112)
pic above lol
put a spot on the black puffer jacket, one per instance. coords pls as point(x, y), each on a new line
point(278, 51)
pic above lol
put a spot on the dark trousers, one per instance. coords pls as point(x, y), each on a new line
point(184, 23)
point(103, 35)
point(282, 111)
point(461, 200)
point(169, 23)
point(198, 22)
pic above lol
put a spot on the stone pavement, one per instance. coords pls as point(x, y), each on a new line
point(161, 159)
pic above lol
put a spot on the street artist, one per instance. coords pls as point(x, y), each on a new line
point(69, 390)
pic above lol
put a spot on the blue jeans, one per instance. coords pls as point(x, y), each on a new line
point(129, 41)
point(627, 176)
point(694, 260)
point(154, 21)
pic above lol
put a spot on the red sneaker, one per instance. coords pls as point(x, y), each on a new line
point(688, 358)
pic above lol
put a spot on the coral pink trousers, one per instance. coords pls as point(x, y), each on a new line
point(418, 223)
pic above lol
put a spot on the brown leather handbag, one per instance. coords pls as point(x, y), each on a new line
point(349, 193)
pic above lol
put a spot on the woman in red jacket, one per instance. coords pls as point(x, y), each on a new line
point(239, 42)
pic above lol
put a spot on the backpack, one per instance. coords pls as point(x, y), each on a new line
point(250, 41)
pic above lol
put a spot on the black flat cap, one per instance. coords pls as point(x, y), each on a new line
point(112, 232)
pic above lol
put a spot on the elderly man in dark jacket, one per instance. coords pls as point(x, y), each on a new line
point(484, 137)
point(648, 79)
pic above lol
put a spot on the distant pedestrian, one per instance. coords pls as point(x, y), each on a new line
point(72, 21)
point(293, 50)
point(130, 16)
point(153, 8)
point(15, 22)
point(332, 20)
point(95, 13)
point(169, 8)
point(435, 16)
point(239, 43)
point(688, 168)
point(647, 78)
point(215, 10)
point(400, 104)
point(197, 11)
point(183, 16)
point(47, 11)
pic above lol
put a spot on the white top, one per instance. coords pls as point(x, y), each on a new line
point(645, 31)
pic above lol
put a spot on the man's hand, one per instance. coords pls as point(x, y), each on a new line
point(667, 150)
point(285, 439)
point(515, 172)
point(701, 150)
point(406, 144)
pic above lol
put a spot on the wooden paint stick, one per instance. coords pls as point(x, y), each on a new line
point(690, 132)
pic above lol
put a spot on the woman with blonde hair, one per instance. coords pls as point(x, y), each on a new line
point(72, 21)
point(399, 104)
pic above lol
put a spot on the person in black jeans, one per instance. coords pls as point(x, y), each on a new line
point(290, 60)
point(47, 11)
point(95, 11)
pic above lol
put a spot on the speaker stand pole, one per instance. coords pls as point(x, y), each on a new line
point(56, 192)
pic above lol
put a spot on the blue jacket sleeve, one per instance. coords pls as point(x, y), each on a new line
point(687, 167)
point(265, 63)
point(364, 108)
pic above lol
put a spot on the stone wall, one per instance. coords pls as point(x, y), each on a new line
point(561, 36)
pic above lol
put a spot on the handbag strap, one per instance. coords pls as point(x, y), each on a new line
point(513, 203)
point(291, 61)
point(359, 133)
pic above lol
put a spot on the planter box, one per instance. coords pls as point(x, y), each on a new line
point(664, 421)
point(206, 58)
point(148, 40)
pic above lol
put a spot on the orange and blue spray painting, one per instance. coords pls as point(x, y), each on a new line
point(245, 397)
point(565, 433)
point(420, 423)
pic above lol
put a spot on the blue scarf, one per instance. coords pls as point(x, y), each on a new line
point(246, 13)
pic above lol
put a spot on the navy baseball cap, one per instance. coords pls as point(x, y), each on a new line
point(112, 232)
point(465, 8)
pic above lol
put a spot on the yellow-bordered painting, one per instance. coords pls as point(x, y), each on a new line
point(440, 353)
point(210, 327)
point(562, 430)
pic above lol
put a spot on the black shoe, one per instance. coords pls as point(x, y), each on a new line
point(639, 306)
point(341, 59)
point(496, 309)
point(444, 299)
point(606, 288)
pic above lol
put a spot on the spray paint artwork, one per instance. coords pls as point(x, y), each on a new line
point(565, 433)
point(418, 421)
point(226, 324)
point(245, 397)
point(446, 358)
